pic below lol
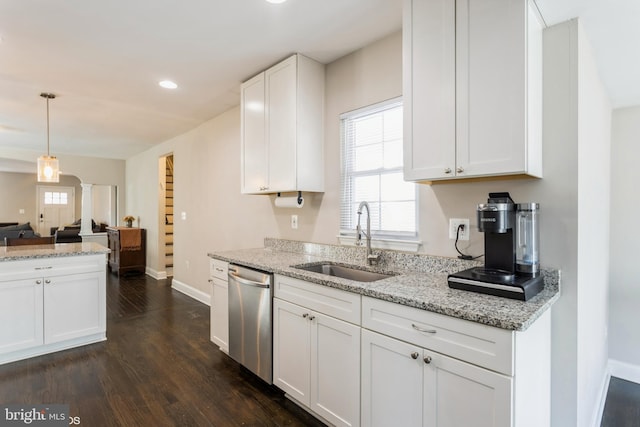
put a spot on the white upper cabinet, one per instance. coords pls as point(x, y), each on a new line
point(472, 89)
point(282, 112)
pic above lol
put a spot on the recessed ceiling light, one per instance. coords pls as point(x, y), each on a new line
point(276, 1)
point(168, 84)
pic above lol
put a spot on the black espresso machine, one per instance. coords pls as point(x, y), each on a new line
point(511, 257)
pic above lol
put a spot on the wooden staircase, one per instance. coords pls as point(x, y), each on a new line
point(168, 215)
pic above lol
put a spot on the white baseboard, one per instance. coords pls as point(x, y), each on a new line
point(191, 292)
point(625, 371)
point(604, 388)
point(158, 275)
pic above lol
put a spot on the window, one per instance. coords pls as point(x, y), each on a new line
point(372, 172)
point(55, 198)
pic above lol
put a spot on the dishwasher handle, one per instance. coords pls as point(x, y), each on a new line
point(248, 282)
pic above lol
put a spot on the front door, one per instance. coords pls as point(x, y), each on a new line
point(56, 207)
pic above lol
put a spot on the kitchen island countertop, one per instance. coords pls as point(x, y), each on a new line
point(20, 253)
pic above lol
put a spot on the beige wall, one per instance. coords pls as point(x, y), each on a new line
point(19, 191)
point(89, 170)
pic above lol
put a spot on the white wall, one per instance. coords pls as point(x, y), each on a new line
point(624, 316)
point(594, 148)
point(207, 188)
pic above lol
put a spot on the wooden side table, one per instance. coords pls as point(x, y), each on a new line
point(125, 260)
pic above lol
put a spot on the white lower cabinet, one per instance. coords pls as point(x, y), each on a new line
point(316, 357)
point(426, 369)
point(49, 305)
point(219, 303)
point(403, 384)
point(356, 360)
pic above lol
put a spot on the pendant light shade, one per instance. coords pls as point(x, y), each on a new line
point(48, 166)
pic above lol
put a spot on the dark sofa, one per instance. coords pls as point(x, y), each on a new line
point(71, 233)
point(17, 231)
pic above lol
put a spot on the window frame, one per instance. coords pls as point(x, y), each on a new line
point(386, 239)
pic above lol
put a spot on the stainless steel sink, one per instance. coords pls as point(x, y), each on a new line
point(344, 272)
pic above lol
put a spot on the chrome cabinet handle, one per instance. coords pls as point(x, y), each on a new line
point(427, 360)
point(264, 188)
point(38, 282)
point(210, 280)
point(426, 331)
point(414, 355)
point(47, 281)
point(460, 169)
point(219, 269)
point(447, 171)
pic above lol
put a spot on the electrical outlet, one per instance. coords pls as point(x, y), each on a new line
point(294, 221)
point(453, 228)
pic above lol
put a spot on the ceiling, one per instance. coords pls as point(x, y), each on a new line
point(104, 60)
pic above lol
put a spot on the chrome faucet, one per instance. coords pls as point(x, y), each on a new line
point(371, 259)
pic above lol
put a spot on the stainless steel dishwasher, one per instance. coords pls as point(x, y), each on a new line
point(250, 324)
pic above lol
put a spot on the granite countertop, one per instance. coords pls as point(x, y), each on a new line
point(19, 253)
point(424, 290)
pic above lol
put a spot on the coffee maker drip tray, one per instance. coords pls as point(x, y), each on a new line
point(496, 282)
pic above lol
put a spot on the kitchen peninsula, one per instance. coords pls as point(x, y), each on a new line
point(52, 297)
point(402, 347)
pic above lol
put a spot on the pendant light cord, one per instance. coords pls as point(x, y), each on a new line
point(48, 96)
point(48, 154)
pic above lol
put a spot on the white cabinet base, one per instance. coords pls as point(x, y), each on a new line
point(51, 348)
point(56, 303)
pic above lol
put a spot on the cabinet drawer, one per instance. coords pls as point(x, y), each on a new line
point(55, 266)
point(218, 269)
point(472, 342)
point(332, 302)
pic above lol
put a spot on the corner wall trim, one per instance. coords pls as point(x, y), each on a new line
point(158, 275)
point(625, 371)
point(192, 292)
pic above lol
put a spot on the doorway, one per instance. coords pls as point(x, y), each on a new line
point(168, 215)
point(55, 207)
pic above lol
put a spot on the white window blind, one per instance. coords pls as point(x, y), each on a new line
point(372, 172)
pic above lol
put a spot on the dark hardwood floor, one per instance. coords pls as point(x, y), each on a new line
point(157, 368)
point(622, 407)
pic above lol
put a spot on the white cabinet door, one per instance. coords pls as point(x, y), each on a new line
point(460, 394)
point(282, 138)
point(220, 314)
point(281, 95)
point(254, 144)
point(74, 306)
point(472, 89)
point(20, 314)
point(291, 349)
point(491, 87)
point(429, 89)
point(335, 370)
point(392, 386)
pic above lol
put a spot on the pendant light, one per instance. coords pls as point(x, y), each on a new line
point(48, 167)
